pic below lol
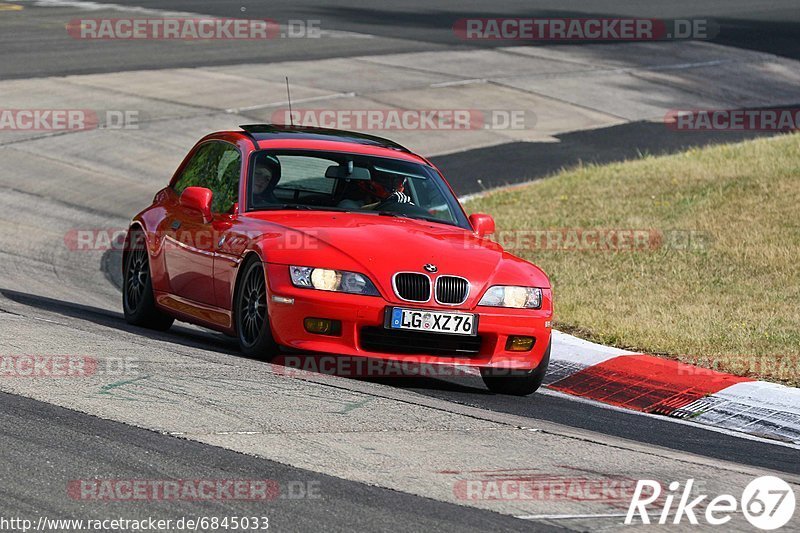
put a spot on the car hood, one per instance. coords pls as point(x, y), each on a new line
point(380, 246)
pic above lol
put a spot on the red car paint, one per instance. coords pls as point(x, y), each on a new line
point(194, 271)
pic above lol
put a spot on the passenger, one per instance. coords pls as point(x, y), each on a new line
point(266, 174)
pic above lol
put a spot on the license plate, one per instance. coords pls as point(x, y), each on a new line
point(432, 321)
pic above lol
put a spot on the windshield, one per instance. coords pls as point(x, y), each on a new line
point(318, 180)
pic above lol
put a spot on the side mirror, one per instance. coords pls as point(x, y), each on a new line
point(198, 199)
point(482, 224)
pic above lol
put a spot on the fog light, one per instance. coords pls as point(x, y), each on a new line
point(322, 326)
point(519, 344)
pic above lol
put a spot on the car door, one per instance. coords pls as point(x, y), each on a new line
point(190, 242)
point(228, 243)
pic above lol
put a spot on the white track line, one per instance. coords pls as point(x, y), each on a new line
point(569, 516)
point(336, 96)
point(99, 6)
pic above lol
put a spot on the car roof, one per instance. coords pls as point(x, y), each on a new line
point(267, 132)
point(279, 136)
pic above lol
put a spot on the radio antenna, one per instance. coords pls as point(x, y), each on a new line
point(289, 97)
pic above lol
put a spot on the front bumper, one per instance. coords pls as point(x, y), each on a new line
point(356, 313)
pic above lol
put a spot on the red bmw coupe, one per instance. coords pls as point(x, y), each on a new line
point(334, 242)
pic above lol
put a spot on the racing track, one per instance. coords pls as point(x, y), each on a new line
point(38, 50)
point(386, 455)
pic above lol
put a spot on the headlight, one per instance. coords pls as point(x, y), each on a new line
point(325, 279)
point(510, 296)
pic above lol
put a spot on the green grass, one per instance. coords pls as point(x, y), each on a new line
point(731, 301)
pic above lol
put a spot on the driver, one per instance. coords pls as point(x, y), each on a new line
point(266, 174)
point(391, 191)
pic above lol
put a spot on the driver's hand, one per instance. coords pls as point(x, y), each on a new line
point(396, 197)
point(399, 197)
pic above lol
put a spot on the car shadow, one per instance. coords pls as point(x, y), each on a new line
point(414, 382)
point(178, 334)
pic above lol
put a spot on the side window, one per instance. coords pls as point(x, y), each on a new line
point(198, 171)
point(215, 166)
point(225, 182)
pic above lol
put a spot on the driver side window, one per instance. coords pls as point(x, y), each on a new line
point(216, 165)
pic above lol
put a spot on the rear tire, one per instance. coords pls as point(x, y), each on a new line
point(138, 301)
point(250, 310)
point(512, 382)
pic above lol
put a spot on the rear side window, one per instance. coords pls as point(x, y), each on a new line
point(216, 165)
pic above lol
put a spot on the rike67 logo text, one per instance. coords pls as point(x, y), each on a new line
point(767, 502)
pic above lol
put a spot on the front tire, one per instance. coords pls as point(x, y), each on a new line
point(138, 301)
point(252, 319)
point(512, 382)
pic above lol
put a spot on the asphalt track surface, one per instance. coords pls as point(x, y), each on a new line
point(472, 171)
point(553, 407)
point(44, 446)
point(467, 390)
point(34, 44)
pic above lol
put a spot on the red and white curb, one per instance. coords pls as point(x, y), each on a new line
point(654, 385)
